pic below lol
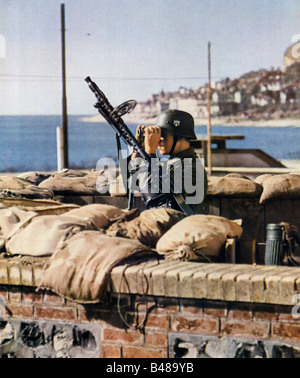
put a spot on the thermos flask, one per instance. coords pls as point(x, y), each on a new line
point(274, 252)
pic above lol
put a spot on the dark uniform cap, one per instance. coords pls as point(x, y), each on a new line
point(178, 122)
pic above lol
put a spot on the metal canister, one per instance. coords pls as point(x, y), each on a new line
point(274, 252)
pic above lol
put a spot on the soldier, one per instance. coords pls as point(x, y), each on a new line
point(172, 135)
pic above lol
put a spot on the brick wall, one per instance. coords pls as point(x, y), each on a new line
point(134, 326)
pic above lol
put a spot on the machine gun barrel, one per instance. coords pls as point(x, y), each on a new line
point(114, 117)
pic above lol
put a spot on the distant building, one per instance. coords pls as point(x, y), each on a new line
point(270, 91)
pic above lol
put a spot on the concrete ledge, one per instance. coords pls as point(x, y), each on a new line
point(21, 271)
point(174, 279)
point(224, 282)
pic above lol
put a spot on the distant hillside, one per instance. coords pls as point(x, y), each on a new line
point(255, 96)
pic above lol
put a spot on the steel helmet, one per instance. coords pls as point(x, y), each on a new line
point(178, 122)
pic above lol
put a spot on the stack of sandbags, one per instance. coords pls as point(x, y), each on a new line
point(80, 269)
point(34, 178)
point(279, 187)
point(23, 193)
point(198, 238)
point(42, 207)
point(11, 221)
point(14, 187)
point(147, 227)
point(27, 233)
point(233, 185)
point(178, 236)
point(101, 215)
point(77, 183)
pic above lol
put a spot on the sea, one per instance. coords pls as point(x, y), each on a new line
point(28, 143)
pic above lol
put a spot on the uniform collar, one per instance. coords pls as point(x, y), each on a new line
point(186, 153)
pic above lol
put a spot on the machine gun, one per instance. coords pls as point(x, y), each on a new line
point(165, 197)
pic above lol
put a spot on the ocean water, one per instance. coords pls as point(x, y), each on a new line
point(28, 143)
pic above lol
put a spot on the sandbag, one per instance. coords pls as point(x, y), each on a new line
point(101, 214)
point(237, 175)
point(32, 192)
point(14, 187)
point(281, 187)
point(29, 204)
point(44, 234)
point(71, 173)
point(198, 238)
point(42, 207)
point(34, 178)
point(233, 186)
point(262, 178)
point(89, 184)
point(80, 269)
point(148, 227)
point(11, 182)
point(51, 210)
point(11, 221)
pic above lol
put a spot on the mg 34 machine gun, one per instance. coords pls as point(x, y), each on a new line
point(165, 197)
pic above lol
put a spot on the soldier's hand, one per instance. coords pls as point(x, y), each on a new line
point(139, 135)
point(152, 138)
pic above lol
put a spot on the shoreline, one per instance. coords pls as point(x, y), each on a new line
point(290, 164)
point(285, 122)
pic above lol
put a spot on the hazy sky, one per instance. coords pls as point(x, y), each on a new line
point(133, 48)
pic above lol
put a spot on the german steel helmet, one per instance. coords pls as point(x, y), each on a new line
point(178, 122)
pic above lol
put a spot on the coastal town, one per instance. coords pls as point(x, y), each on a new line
point(272, 94)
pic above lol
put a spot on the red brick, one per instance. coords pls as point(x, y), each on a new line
point(267, 316)
point(288, 317)
point(215, 309)
point(122, 336)
point(156, 339)
point(142, 306)
point(31, 297)
point(134, 318)
point(53, 298)
point(191, 306)
point(151, 320)
point(215, 312)
point(63, 313)
point(15, 296)
point(111, 351)
point(132, 352)
point(167, 305)
point(205, 326)
point(245, 329)
point(157, 321)
point(240, 314)
point(265, 312)
point(192, 310)
point(286, 331)
point(19, 310)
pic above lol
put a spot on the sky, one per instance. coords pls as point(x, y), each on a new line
point(133, 48)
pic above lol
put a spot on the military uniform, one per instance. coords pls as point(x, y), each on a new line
point(184, 170)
